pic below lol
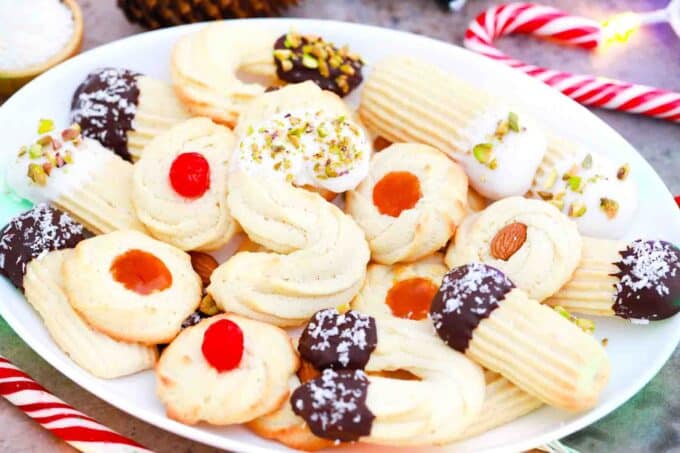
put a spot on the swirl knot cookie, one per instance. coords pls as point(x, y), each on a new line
point(409, 100)
point(225, 370)
point(534, 244)
point(478, 311)
point(318, 254)
point(410, 203)
point(132, 287)
point(180, 186)
point(639, 281)
point(77, 175)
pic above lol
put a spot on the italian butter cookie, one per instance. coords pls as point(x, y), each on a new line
point(132, 287)
point(95, 352)
point(639, 280)
point(409, 100)
point(317, 257)
point(180, 186)
point(124, 110)
point(225, 370)
point(77, 175)
point(599, 195)
point(410, 203)
point(304, 135)
point(478, 311)
point(534, 244)
point(348, 403)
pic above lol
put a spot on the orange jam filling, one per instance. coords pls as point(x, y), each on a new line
point(396, 192)
point(411, 299)
point(141, 272)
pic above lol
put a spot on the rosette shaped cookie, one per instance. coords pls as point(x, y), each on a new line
point(409, 100)
point(97, 353)
point(533, 243)
point(410, 203)
point(318, 254)
point(205, 68)
point(132, 287)
point(180, 186)
point(478, 311)
point(347, 403)
point(225, 370)
point(639, 281)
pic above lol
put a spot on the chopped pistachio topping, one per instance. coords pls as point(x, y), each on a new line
point(622, 172)
point(545, 195)
point(577, 209)
point(44, 154)
point(309, 61)
point(513, 122)
point(587, 161)
point(208, 306)
point(36, 173)
point(575, 183)
point(609, 206)
point(45, 126)
point(559, 204)
point(35, 151)
point(550, 179)
point(586, 325)
point(482, 152)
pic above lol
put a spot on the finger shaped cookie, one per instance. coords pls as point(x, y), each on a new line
point(303, 135)
point(410, 203)
point(77, 175)
point(409, 100)
point(123, 109)
point(225, 370)
point(205, 67)
point(352, 404)
point(318, 254)
point(534, 244)
point(180, 186)
point(479, 311)
point(598, 194)
point(639, 280)
point(132, 287)
point(97, 353)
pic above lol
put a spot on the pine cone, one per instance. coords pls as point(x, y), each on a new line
point(165, 13)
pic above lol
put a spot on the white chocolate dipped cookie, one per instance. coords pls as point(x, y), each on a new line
point(180, 186)
point(132, 287)
point(500, 146)
point(598, 194)
point(77, 175)
point(317, 257)
point(304, 135)
point(226, 370)
point(410, 204)
point(531, 241)
point(95, 352)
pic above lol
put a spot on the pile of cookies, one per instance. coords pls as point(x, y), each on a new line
point(411, 273)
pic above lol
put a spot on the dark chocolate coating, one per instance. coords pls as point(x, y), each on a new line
point(468, 294)
point(32, 233)
point(338, 341)
point(104, 105)
point(334, 405)
point(649, 281)
point(300, 73)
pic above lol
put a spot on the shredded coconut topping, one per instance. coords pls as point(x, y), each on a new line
point(650, 265)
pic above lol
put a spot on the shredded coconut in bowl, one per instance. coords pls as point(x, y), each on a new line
point(32, 31)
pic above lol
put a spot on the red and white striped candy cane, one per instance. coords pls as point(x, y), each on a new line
point(559, 26)
point(77, 429)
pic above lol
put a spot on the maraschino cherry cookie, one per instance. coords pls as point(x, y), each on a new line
point(124, 110)
point(180, 186)
point(479, 311)
point(132, 287)
point(409, 100)
point(639, 280)
point(599, 195)
point(32, 234)
point(225, 370)
point(349, 402)
point(77, 175)
point(410, 203)
point(533, 243)
point(317, 254)
point(303, 135)
point(97, 353)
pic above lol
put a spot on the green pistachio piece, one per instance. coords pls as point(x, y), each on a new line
point(559, 204)
point(574, 183)
point(45, 126)
point(513, 122)
point(208, 306)
point(550, 179)
point(577, 209)
point(36, 173)
point(587, 161)
point(609, 206)
point(482, 152)
point(309, 61)
point(35, 151)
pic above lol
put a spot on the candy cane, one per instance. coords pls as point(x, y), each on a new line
point(554, 24)
point(77, 429)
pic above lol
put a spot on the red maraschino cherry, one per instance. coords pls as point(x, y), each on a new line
point(223, 345)
point(190, 175)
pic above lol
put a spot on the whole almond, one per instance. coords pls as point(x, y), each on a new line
point(204, 265)
point(508, 240)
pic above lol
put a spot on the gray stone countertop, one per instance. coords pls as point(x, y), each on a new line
point(649, 422)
